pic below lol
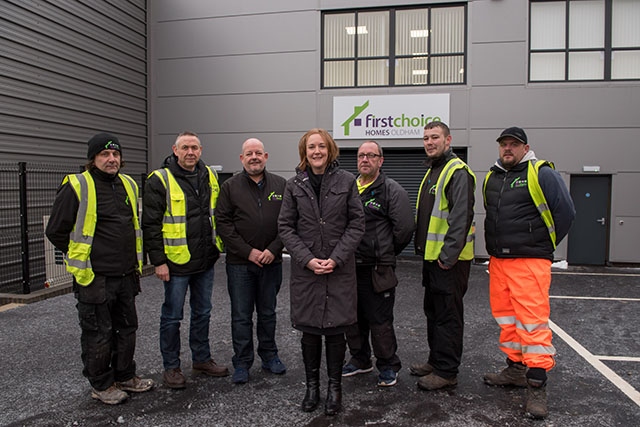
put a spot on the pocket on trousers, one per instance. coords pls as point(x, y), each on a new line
point(383, 278)
point(95, 293)
point(87, 316)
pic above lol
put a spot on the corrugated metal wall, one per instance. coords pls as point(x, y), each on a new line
point(69, 69)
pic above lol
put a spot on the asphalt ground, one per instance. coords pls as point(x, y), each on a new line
point(595, 315)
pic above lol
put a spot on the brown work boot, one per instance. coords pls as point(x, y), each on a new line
point(536, 399)
point(420, 369)
point(512, 375)
point(173, 378)
point(210, 368)
point(136, 384)
point(111, 396)
point(433, 381)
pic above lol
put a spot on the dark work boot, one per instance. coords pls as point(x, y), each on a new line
point(311, 356)
point(536, 406)
point(335, 349)
point(513, 375)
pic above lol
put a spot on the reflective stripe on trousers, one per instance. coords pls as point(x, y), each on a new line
point(519, 294)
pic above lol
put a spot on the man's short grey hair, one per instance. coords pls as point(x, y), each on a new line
point(186, 133)
point(377, 145)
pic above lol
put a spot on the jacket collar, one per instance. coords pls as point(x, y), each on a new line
point(529, 156)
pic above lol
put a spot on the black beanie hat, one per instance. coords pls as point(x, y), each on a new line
point(102, 141)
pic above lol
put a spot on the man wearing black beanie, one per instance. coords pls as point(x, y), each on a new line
point(94, 222)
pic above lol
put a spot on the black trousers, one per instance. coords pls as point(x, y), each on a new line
point(108, 322)
point(443, 294)
point(375, 319)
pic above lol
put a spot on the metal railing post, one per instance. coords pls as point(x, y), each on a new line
point(24, 228)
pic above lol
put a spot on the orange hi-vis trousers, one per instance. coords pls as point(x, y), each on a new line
point(519, 295)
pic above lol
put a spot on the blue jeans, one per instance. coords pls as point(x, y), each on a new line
point(175, 290)
point(252, 286)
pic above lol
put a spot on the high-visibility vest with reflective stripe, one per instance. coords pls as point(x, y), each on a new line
point(174, 223)
point(537, 196)
point(81, 238)
point(438, 225)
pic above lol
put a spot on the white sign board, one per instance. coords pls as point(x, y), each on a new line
point(387, 116)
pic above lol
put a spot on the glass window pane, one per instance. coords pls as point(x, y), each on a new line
point(448, 69)
point(625, 65)
point(373, 34)
point(339, 74)
point(338, 43)
point(625, 29)
point(586, 24)
point(586, 65)
point(412, 32)
point(547, 67)
point(412, 71)
point(373, 72)
point(447, 30)
point(548, 25)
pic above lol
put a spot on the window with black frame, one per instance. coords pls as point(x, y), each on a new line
point(395, 46)
point(584, 40)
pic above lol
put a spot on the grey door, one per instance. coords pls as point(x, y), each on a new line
point(589, 235)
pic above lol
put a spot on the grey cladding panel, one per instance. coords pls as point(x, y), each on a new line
point(238, 35)
point(106, 55)
point(280, 72)
point(20, 59)
point(237, 113)
point(168, 10)
point(65, 17)
point(48, 97)
point(69, 69)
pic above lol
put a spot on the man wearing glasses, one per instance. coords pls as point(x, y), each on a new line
point(389, 227)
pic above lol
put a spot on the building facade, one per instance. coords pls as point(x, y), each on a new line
point(566, 71)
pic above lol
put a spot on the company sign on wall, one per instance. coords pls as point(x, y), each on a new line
point(386, 117)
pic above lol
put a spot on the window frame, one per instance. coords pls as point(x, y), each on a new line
point(607, 50)
point(392, 57)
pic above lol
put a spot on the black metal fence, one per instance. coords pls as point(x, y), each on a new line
point(27, 191)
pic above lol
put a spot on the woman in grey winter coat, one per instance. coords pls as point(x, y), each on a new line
point(321, 223)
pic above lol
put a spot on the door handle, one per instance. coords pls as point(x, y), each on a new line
point(601, 221)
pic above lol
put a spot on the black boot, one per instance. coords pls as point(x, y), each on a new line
point(335, 348)
point(311, 354)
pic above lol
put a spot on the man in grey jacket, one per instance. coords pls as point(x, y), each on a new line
point(444, 237)
point(389, 226)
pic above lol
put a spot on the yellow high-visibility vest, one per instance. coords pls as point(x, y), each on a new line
point(174, 223)
point(81, 237)
point(438, 225)
point(537, 196)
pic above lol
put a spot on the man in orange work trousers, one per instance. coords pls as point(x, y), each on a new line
point(528, 212)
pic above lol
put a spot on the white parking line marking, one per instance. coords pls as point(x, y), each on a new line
point(624, 386)
point(576, 273)
point(593, 298)
point(619, 358)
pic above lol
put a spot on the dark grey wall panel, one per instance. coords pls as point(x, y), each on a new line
point(236, 113)
point(238, 35)
point(183, 10)
point(276, 72)
point(69, 69)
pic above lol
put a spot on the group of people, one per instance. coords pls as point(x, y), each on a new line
point(343, 233)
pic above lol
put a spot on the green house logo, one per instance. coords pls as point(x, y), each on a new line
point(357, 110)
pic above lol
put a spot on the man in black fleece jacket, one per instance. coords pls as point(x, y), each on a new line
point(247, 220)
point(94, 222)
